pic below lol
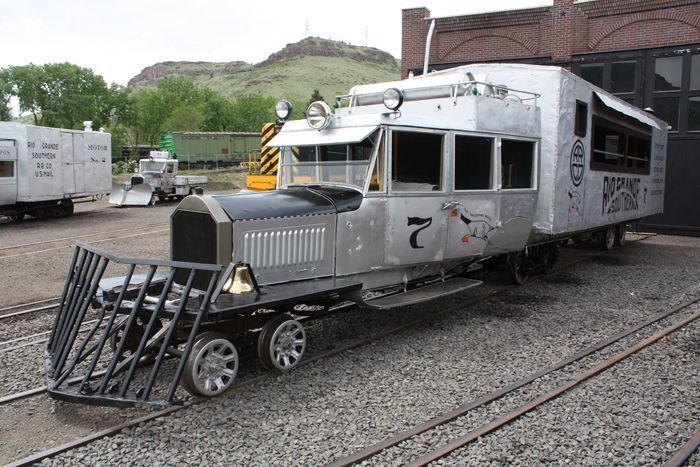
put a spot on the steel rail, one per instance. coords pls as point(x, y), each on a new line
point(685, 451)
point(550, 395)
point(31, 310)
point(24, 305)
point(35, 458)
point(75, 237)
point(462, 410)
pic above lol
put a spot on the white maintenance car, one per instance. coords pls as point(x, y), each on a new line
point(156, 179)
point(43, 170)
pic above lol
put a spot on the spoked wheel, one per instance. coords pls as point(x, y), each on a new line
point(515, 266)
point(620, 234)
point(281, 343)
point(212, 365)
point(133, 339)
point(606, 237)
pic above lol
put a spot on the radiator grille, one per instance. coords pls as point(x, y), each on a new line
point(283, 248)
point(193, 240)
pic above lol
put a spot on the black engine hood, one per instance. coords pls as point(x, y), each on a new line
point(293, 201)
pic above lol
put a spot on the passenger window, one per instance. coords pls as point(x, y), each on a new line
point(619, 148)
point(516, 164)
point(7, 169)
point(581, 118)
point(473, 157)
point(169, 168)
point(416, 161)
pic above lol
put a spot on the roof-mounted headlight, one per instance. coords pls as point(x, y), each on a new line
point(318, 115)
point(283, 109)
point(393, 98)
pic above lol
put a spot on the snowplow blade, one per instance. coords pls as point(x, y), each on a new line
point(131, 195)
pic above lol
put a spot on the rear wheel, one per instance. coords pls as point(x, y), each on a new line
point(212, 365)
point(620, 234)
point(606, 238)
point(281, 343)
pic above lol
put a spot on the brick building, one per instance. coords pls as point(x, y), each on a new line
point(646, 52)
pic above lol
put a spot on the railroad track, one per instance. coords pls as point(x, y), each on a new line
point(41, 339)
point(394, 441)
point(581, 354)
point(22, 309)
point(24, 249)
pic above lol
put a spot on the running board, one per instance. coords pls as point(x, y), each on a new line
point(422, 294)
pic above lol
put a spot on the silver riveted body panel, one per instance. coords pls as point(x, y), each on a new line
point(284, 249)
point(360, 245)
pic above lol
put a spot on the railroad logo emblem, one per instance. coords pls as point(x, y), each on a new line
point(577, 162)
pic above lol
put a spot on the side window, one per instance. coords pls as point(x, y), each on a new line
point(376, 181)
point(581, 119)
point(473, 162)
point(416, 161)
point(619, 148)
point(169, 168)
point(7, 169)
point(517, 163)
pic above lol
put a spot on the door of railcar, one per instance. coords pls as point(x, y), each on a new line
point(472, 208)
point(518, 163)
point(416, 222)
point(8, 172)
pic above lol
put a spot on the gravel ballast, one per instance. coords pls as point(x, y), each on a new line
point(335, 406)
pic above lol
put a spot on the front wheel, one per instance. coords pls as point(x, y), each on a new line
point(281, 343)
point(212, 365)
point(515, 266)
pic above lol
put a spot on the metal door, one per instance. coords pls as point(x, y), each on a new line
point(79, 162)
point(67, 162)
point(472, 208)
point(416, 227)
point(8, 172)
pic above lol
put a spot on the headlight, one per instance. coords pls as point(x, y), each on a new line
point(283, 109)
point(393, 98)
point(318, 115)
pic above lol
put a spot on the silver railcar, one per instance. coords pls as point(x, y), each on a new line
point(386, 202)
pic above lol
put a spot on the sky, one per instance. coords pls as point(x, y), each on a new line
point(117, 39)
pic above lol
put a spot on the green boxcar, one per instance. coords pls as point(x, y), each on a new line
point(198, 147)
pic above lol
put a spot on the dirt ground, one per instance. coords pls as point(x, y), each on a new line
point(35, 255)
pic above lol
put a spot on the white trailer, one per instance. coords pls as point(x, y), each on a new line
point(42, 170)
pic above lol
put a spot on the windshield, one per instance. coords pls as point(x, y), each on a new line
point(151, 166)
point(345, 164)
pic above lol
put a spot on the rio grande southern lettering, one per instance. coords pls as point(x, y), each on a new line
point(620, 194)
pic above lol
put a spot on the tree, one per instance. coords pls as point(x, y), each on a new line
point(60, 94)
point(315, 96)
point(5, 96)
point(184, 118)
point(251, 111)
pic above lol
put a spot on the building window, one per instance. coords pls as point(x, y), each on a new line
point(473, 162)
point(623, 76)
point(618, 148)
point(416, 161)
point(668, 73)
point(694, 114)
point(593, 73)
point(581, 119)
point(695, 73)
point(7, 169)
point(666, 108)
point(517, 162)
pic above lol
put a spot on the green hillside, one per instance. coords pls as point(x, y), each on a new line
point(293, 73)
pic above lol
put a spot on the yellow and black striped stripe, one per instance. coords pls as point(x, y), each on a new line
point(269, 156)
